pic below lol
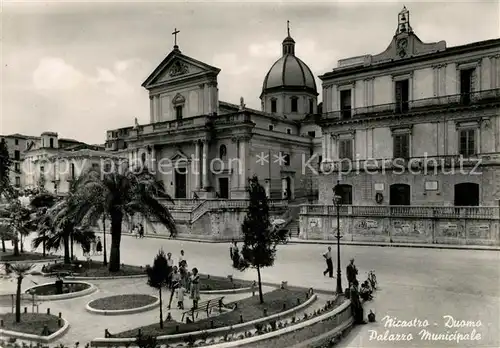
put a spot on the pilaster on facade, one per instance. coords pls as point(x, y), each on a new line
point(205, 145)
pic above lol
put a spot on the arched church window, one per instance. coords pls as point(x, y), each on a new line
point(222, 152)
point(274, 104)
point(311, 106)
point(143, 158)
point(295, 104)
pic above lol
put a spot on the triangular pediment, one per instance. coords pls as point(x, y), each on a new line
point(177, 67)
point(179, 156)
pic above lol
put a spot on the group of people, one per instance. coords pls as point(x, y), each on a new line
point(137, 230)
point(355, 292)
point(93, 248)
point(234, 253)
point(180, 280)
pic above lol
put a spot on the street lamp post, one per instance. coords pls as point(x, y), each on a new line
point(336, 202)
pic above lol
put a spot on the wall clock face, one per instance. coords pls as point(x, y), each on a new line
point(403, 43)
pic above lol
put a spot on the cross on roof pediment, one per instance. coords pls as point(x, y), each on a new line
point(176, 67)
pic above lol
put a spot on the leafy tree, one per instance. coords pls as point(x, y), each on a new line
point(157, 277)
point(20, 222)
point(20, 270)
point(5, 164)
point(259, 239)
point(119, 195)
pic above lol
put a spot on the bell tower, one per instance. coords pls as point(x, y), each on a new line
point(404, 22)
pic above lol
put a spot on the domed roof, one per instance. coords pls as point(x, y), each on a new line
point(289, 72)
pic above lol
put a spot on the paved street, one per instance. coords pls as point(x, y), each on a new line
point(425, 284)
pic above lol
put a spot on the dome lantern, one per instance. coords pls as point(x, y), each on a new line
point(288, 44)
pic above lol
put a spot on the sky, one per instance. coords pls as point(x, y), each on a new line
point(76, 68)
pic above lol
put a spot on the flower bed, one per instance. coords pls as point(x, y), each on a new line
point(249, 309)
point(48, 292)
point(31, 323)
point(212, 283)
point(49, 289)
point(94, 269)
point(294, 338)
point(122, 302)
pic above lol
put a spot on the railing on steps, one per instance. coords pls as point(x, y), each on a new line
point(214, 204)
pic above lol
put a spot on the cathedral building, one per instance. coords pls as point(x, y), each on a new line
point(205, 148)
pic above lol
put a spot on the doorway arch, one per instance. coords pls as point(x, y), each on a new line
point(466, 194)
point(287, 187)
point(400, 194)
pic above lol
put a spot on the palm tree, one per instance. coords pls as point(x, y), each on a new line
point(20, 270)
point(58, 227)
point(119, 195)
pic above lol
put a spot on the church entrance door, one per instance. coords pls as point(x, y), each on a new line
point(180, 183)
point(224, 188)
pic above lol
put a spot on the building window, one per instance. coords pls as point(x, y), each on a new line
point(17, 155)
point(311, 106)
point(466, 85)
point(402, 145)
point(271, 127)
point(345, 104)
point(222, 152)
point(274, 105)
point(17, 167)
point(345, 193)
point(16, 141)
point(72, 171)
point(178, 112)
point(402, 95)
point(143, 158)
point(345, 149)
point(18, 181)
point(466, 194)
point(467, 142)
point(399, 194)
point(286, 157)
point(312, 134)
point(295, 104)
point(95, 165)
point(288, 131)
point(51, 142)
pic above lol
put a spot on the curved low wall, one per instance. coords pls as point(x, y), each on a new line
point(105, 278)
point(227, 291)
point(343, 309)
point(113, 342)
point(36, 338)
point(90, 290)
point(123, 311)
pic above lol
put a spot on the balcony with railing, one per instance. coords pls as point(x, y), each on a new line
point(423, 164)
point(454, 212)
point(464, 100)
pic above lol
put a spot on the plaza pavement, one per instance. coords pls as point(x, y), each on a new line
point(425, 284)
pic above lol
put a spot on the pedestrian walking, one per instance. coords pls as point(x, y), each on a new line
point(170, 268)
point(235, 255)
point(351, 273)
point(329, 263)
point(141, 230)
point(98, 247)
point(175, 284)
point(182, 259)
point(93, 245)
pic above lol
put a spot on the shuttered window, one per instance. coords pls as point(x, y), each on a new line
point(402, 146)
point(345, 149)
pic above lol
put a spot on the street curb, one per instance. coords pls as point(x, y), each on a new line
point(401, 245)
point(323, 242)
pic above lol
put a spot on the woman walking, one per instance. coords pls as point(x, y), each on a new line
point(195, 287)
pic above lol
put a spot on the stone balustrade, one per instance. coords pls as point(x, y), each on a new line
point(415, 224)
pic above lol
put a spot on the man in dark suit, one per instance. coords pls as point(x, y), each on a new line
point(351, 273)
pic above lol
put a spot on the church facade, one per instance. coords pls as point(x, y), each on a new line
point(205, 148)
